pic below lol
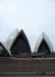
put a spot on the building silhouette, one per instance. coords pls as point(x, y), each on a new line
point(17, 59)
point(43, 46)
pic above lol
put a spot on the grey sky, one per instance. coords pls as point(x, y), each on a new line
point(34, 16)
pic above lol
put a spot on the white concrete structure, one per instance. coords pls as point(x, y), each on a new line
point(43, 36)
point(11, 39)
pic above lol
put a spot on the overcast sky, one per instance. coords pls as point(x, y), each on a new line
point(33, 16)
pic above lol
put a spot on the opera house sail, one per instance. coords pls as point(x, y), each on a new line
point(43, 46)
point(3, 51)
point(20, 44)
point(17, 59)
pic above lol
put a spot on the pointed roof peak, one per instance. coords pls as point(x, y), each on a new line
point(24, 43)
point(43, 34)
point(21, 31)
point(44, 37)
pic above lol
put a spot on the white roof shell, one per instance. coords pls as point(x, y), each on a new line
point(43, 36)
point(11, 39)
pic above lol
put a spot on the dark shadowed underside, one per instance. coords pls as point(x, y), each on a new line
point(3, 51)
point(20, 44)
point(43, 48)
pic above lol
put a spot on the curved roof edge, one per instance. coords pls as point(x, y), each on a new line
point(21, 31)
point(9, 52)
point(11, 38)
point(43, 36)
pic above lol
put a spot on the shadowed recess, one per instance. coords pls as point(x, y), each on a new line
point(44, 48)
point(20, 44)
point(3, 51)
